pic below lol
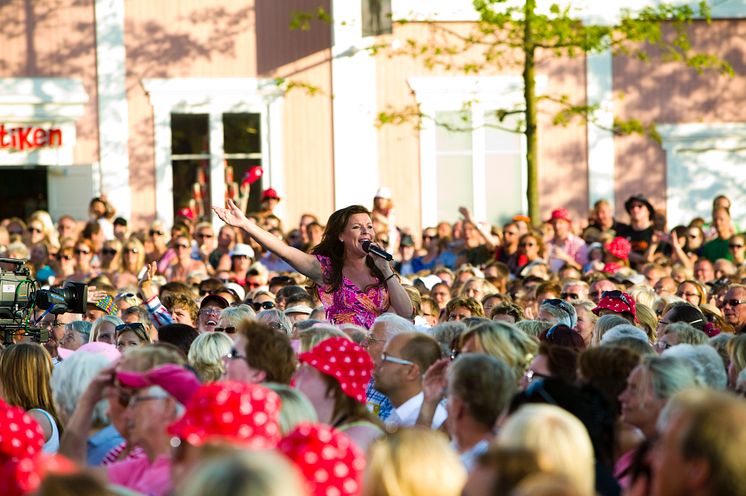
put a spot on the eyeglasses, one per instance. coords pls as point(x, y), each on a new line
point(227, 330)
point(109, 251)
point(733, 302)
point(125, 295)
point(399, 361)
point(267, 305)
point(154, 232)
point(572, 296)
point(82, 252)
point(234, 355)
point(210, 311)
point(369, 339)
point(735, 246)
point(135, 400)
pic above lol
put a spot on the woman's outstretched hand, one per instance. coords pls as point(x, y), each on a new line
point(231, 214)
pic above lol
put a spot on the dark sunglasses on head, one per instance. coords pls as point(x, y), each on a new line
point(135, 327)
point(267, 305)
point(616, 295)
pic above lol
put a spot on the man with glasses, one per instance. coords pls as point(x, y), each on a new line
point(640, 230)
point(205, 242)
point(385, 327)
point(598, 288)
point(399, 372)
point(574, 290)
point(209, 312)
point(734, 307)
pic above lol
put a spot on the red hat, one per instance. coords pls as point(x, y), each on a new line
point(344, 360)
point(619, 247)
point(185, 212)
point(560, 213)
point(236, 412)
point(611, 268)
point(329, 460)
point(617, 302)
point(270, 194)
point(174, 379)
point(21, 439)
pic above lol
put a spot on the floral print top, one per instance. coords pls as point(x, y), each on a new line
point(350, 304)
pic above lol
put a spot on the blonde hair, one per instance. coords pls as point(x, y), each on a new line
point(558, 438)
point(737, 353)
point(643, 295)
point(135, 243)
point(96, 327)
point(144, 358)
point(648, 321)
point(506, 342)
point(206, 355)
point(296, 407)
point(318, 333)
point(248, 473)
point(413, 462)
point(26, 378)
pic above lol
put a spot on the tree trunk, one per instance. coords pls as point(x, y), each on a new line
point(529, 94)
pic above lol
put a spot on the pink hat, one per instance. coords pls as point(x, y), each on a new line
point(328, 459)
point(344, 360)
point(560, 213)
point(619, 247)
point(236, 412)
point(108, 351)
point(617, 302)
point(270, 194)
point(174, 379)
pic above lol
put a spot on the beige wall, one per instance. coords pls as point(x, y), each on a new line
point(671, 93)
point(54, 38)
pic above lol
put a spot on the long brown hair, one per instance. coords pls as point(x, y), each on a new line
point(346, 408)
point(25, 374)
point(330, 246)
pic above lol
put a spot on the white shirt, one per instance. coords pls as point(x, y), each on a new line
point(406, 414)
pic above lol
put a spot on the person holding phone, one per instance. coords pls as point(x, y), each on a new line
point(354, 286)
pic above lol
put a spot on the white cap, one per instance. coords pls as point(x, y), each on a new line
point(238, 289)
point(429, 281)
point(383, 192)
point(299, 309)
point(241, 249)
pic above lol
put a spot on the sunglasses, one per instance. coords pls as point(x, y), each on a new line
point(267, 305)
point(571, 296)
point(135, 327)
point(227, 330)
point(733, 302)
point(427, 236)
point(82, 252)
point(735, 246)
point(208, 235)
point(108, 251)
point(34, 230)
point(64, 257)
point(131, 250)
point(154, 232)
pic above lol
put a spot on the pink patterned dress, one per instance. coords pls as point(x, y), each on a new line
point(350, 304)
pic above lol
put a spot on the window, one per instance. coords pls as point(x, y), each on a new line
point(191, 154)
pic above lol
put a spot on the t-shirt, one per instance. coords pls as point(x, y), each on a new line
point(138, 474)
point(716, 249)
point(640, 240)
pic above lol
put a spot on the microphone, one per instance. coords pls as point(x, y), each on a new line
point(369, 247)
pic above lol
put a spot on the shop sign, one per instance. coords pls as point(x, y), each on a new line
point(28, 138)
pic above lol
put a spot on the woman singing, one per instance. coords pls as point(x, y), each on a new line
point(353, 287)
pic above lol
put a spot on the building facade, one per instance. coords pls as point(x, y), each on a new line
point(161, 105)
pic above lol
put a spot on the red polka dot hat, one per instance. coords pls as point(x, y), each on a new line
point(344, 360)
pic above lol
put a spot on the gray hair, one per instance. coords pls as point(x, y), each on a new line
point(642, 294)
point(705, 362)
point(563, 312)
point(234, 315)
point(82, 327)
point(394, 324)
point(668, 375)
point(686, 333)
point(447, 333)
point(71, 379)
point(623, 331)
point(276, 318)
point(604, 323)
point(533, 327)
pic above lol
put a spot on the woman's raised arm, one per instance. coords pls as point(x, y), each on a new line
point(304, 263)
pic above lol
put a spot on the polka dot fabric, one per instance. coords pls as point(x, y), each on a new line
point(344, 360)
point(617, 302)
point(619, 247)
point(21, 440)
point(330, 462)
point(244, 414)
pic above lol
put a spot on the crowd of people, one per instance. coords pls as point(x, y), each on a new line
point(562, 357)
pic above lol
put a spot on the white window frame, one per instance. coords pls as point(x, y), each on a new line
point(215, 97)
point(688, 138)
point(450, 93)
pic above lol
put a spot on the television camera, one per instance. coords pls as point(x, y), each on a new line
point(19, 295)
